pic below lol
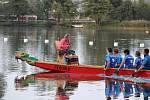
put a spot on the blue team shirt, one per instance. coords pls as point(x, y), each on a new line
point(146, 62)
point(138, 62)
point(118, 59)
point(112, 59)
point(128, 61)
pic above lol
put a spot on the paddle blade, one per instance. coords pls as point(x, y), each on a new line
point(116, 72)
point(134, 74)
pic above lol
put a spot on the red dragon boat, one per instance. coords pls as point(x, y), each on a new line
point(79, 69)
point(89, 69)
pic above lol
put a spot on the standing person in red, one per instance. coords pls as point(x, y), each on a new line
point(64, 46)
point(64, 50)
point(65, 42)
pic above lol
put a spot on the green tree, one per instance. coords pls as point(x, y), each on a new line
point(18, 7)
point(69, 9)
point(47, 7)
point(40, 11)
point(116, 3)
point(64, 9)
point(96, 9)
point(142, 10)
point(115, 9)
point(57, 11)
point(126, 10)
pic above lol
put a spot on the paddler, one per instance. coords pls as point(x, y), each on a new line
point(138, 60)
point(146, 61)
point(110, 59)
point(118, 57)
point(128, 60)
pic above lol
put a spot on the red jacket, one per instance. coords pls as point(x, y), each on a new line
point(64, 43)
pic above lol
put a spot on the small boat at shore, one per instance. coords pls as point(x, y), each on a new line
point(77, 26)
point(77, 68)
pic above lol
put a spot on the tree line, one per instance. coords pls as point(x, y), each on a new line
point(98, 10)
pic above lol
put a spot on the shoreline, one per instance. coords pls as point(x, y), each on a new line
point(125, 25)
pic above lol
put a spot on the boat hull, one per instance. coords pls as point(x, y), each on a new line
point(89, 69)
point(127, 72)
point(84, 69)
point(79, 69)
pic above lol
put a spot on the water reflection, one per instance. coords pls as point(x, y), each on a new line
point(63, 88)
point(66, 87)
point(2, 85)
point(114, 88)
point(36, 36)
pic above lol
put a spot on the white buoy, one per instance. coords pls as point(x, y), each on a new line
point(146, 32)
point(91, 43)
point(115, 44)
point(5, 39)
point(25, 40)
point(46, 41)
point(141, 45)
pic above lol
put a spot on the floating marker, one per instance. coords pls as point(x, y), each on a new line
point(90, 43)
point(142, 45)
point(46, 41)
point(115, 44)
point(146, 32)
point(5, 39)
point(25, 40)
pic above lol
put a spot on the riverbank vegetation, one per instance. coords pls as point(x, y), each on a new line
point(129, 25)
point(122, 13)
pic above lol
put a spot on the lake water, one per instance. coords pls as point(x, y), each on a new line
point(89, 45)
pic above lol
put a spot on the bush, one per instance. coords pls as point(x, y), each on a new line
point(135, 23)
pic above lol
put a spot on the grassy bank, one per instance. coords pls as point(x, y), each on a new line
point(124, 25)
point(39, 23)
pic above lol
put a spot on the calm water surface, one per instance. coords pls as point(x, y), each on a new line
point(31, 87)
